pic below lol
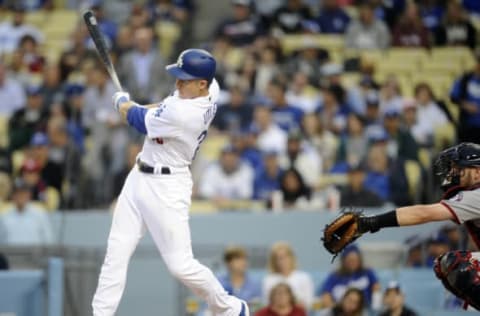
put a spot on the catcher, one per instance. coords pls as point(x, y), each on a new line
point(459, 170)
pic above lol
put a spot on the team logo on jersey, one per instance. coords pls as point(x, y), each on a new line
point(159, 111)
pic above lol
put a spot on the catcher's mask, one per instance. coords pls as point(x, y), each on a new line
point(451, 161)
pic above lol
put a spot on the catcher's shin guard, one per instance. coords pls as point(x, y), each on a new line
point(459, 272)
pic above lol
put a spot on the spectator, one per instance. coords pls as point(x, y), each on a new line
point(333, 114)
point(12, 31)
point(52, 87)
point(437, 245)
point(302, 94)
point(324, 141)
point(74, 105)
point(372, 112)
point(243, 27)
point(30, 54)
point(281, 302)
point(351, 304)
point(286, 116)
point(123, 43)
point(25, 122)
point(296, 194)
point(302, 158)
point(245, 76)
point(351, 273)
point(394, 302)
point(355, 193)
point(237, 280)
point(466, 94)
point(245, 143)
point(268, 68)
point(107, 27)
point(142, 70)
point(30, 173)
point(267, 180)
point(12, 90)
point(291, 17)
point(409, 30)
point(64, 157)
point(390, 97)
point(282, 265)
point(228, 179)
point(332, 18)
point(307, 59)
point(236, 115)
point(353, 145)
point(401, 143)
point(270, 136)
point(456, 30)
point(107, 153)
point(367, 32)
point(23, 223)
point(428, 115)
point(432, 13)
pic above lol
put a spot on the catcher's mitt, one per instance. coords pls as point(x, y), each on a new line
point(341, 232)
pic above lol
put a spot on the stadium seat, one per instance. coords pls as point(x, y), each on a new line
point(3, 131)
point(52, 199)
point(463, 54)
point(212, 146)
point(444, 136)
point(168, 33)
point(18, 156)
point(350, 79)
point(291, 43)
point(407, 55)
point(435, 68)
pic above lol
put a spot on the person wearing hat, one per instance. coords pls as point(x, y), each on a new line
point(228, 179)
point(23, 223)
point(401, 142)
point(73, 107)
point(394, 301)
point(242, 28)
point(350, 273)
point(26, 121)
point(465, 95)
point(355, 193)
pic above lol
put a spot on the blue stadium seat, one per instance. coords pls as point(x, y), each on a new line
point(384, 276)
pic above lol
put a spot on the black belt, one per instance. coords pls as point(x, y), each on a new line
point(145, 168)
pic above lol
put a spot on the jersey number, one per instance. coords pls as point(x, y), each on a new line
point(200, 139)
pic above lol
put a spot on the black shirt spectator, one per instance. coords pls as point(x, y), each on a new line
point(236, 114)
point(355, 193)
point(241, 29)
point(456, 29)
point(25, 122)
point(290, 17)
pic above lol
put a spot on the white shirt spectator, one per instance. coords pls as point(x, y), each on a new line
point(300, 282)
point(29, 227)
point(10, 35)
point(429, 117)
point(272, 139)
point(308, 163)
point(13, 95)
point(237, 185)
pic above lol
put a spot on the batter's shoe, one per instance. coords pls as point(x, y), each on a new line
point(245, 311)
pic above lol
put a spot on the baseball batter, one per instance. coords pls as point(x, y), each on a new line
point(157, 192)
point(459, 170)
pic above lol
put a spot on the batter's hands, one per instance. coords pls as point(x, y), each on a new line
point(119, 98)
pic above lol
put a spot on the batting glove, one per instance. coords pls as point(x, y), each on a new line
point(119, 98)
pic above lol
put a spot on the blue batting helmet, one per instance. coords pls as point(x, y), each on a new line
point(193, 64)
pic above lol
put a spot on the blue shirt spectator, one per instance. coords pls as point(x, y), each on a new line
point(472, 6)
point(332, 19)
point(351, 273)
point(466, 94)
point(287, 117)
point(268, 179)
point(236, 114)
point(431, 15)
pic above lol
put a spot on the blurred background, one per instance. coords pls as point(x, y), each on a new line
point(324, 105)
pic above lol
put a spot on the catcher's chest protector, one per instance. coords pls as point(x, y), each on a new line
point(459, 272)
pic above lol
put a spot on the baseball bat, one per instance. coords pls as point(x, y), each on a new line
point(101, 47)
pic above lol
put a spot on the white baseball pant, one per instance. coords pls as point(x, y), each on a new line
point(161, 204)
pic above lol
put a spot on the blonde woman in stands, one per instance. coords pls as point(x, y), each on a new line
point(282, 265)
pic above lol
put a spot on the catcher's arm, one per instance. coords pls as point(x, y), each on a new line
point(405, 216)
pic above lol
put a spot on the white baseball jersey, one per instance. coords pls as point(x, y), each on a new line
point(177, 127)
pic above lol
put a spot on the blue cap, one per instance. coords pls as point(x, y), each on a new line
point(377, 134)
point(349, 249)
point(193, 64)
point(74, 89)
point(392, 112)
point(39, 139)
